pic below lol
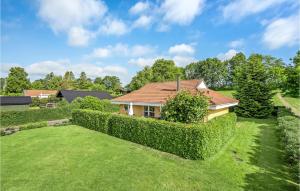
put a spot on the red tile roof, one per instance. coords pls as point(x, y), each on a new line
point(35, 93)
point(161, 92)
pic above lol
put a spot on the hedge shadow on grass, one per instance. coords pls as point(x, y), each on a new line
point(267, 156)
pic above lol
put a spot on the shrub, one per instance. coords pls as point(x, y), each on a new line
point(10, 118)
point(90, 102)
point(185, 108)
point(197, 141)
point(289, 130)
point(33, 125)
point(75, 104)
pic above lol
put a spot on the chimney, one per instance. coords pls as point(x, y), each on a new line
point(178, 82)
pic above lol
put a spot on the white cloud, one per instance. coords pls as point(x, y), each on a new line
point(59, 67)
point(142, 21)
point(282, 32)
point(139, 7)
point(228, 55)
point(181, 12)
point(101, 53)
point(72, 17)
point(238, 9)
point(142, 62)
point(183, 60)
point(122, 50)
point(181, 49)
point(236, 43)
point(64, 14)
point(78, 36)
point(113, 26)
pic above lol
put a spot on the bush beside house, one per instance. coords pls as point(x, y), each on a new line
point(194, 141)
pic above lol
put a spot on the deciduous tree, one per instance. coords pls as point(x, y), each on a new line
point(17, 80)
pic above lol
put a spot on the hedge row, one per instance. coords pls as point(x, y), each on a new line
point(189, 141)
point(11, 118)
point(289, 134)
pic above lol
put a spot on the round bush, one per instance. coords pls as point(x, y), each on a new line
point(93, 103)
point(185, 108)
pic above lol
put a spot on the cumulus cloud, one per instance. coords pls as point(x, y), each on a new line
point(142, 62)
point(282, 32)
point(122, 50)
point(78, 36)
point(181, 12)
point(183, 60)
point(228, 55)
point(113, 26)
point(71, 17)
point(142, 22)
point(236, 43)
point(139, 7)
point(181, 49)
point(59, 67)
point(238, 9)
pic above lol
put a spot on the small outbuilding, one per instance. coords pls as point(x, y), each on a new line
point(70, 95)
point(14, 103)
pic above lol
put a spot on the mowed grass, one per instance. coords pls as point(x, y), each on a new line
point(73, 158)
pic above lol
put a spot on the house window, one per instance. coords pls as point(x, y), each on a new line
point(126, 108)
point(148, 111)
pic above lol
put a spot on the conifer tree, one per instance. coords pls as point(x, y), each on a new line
point(253, 91)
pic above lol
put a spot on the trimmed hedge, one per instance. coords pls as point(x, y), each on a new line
point(11, 118)
point(289, 130)
point(33, 125)
point(197, 141)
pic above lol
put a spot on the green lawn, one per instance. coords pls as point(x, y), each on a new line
point(75, 158)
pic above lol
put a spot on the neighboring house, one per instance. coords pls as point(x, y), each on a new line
point(70, 95)
point(15, 103)
point(40, 93)
point(148, 100)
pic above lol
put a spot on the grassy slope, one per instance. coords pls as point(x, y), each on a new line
point(230, 93)
point(294, 102)
point(74, 158)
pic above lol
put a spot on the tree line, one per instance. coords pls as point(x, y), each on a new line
point(216, 73)
point(18, 80)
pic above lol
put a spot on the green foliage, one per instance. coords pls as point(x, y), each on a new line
point(38, 84)
point(68, 81)
point(41, 102)
point(291, 85)
point(189, 141)
point(75, 104)
point(162, 70)
point(275, 71)
point(213, 71)
point(83, 83)
point(233, 66)
point(17, 80)
point(252, 90)
point(289, 133)
point(185, 108)
point(52, 82)
point(33, 125)
point(10, 118)
point(92, 103)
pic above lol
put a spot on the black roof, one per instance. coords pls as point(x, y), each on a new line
point(15, 100)
point(70, 95)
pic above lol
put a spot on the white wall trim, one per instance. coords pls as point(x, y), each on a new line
point(221, 106)
point(137, 103)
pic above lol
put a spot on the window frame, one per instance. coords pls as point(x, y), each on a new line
point(149, 111)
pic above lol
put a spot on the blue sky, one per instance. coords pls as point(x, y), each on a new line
point(121, 37)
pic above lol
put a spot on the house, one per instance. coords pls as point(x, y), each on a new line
point(39, 93)
point(70, 95)
point(14, 103)
point(148, 100)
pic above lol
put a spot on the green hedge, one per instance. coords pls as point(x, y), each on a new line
point(11, 118)
point(189, 141)
point(33, 125)
point(289, 130)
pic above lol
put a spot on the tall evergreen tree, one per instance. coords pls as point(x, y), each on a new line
point(253, 90)
point(17, 80)
point(68, 80)
point(83, 82)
